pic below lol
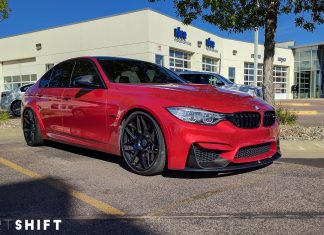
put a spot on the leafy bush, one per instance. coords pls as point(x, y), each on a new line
point(286, 116)
point(4, 115)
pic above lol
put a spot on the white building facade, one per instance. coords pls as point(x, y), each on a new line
point(145, 35)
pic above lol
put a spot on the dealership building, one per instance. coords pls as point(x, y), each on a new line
point(151, 36)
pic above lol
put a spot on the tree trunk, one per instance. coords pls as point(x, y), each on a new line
point(269, 50)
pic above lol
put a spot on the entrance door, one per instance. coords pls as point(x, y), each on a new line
point(304, 84)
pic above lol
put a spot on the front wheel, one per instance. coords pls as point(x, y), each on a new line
point(142, 144)
point(31, 128)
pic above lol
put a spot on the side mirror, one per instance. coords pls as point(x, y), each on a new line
point(88, 81)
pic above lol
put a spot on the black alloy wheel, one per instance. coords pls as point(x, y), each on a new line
point(142, 144)
point(16, 108)
point(31, 129)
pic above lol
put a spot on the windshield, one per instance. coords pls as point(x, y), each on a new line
point(133, 71)
point(225, 80)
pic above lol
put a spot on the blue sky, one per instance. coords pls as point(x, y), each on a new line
point(33, 15)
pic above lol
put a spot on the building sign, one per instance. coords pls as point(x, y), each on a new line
point(181, 36)
point(210, 43)
point(281, 59)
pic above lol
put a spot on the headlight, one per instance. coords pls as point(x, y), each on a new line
point(197, 116)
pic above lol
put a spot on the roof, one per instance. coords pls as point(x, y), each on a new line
point(144, 9)
point(196, 72)
point(309, 45)
point(119, 14)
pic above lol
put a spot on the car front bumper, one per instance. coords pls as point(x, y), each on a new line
point(222, 147)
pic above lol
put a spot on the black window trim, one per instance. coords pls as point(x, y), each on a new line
point(96, 69)
point(74, 63)
point(40, 80)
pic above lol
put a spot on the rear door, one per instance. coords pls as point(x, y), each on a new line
point(85, 114)
point(49, 96)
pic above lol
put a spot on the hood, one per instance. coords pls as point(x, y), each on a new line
point(200, 96)
point(252, 90)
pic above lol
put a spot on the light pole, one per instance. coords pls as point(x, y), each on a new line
point(256, 40)
point(256, 53)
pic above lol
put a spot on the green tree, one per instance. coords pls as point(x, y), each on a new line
point(4, 9)
point(240, 15)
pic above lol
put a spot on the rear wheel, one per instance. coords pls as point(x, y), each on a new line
point(142, 144)
point(16, 108)
point(31, 128)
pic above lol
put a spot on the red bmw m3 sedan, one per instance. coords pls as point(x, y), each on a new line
point(150, 116)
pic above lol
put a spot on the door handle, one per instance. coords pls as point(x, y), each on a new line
point(39, 95)
point(66, 98)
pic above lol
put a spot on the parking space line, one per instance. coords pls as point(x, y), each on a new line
point(301, 148)
point(306, 112)
point(320, 146)
point(205, 195)
point(101, 206)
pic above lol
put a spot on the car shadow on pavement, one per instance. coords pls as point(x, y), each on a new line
point(313, 162)
point(49, 198)
point(121, 162)
point(89, 153)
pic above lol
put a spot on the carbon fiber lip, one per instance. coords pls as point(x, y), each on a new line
point(237, 167)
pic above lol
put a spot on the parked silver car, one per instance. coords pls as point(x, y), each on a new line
point(11, 100)
point(220, 81)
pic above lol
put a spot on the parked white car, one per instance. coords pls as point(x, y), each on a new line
point(11, 100)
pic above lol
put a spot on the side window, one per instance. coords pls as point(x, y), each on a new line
point(207, 79)
point(61, 75)
point(219, 81)
point(187, 77)
point(44, 81)
point(85, 72)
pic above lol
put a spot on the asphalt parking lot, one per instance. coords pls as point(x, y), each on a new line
point(93, 191)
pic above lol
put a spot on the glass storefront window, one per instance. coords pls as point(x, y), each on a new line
point(308, 76)
point(179, 60)
point(231, 74)
point(14, 82)
point(280, 78)
point(209, 64)
point(305, 55)
point(280, 75)
point(249, 74)
point(305, 65)
point(296, 66)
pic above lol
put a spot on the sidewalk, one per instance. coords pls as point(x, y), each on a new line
point(302, 149)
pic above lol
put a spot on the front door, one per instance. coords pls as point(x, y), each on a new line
point(52, 85)
point(84, 107)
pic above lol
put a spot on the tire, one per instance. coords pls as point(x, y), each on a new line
point(31, 129)
point(16, 108)
point(142, 144)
